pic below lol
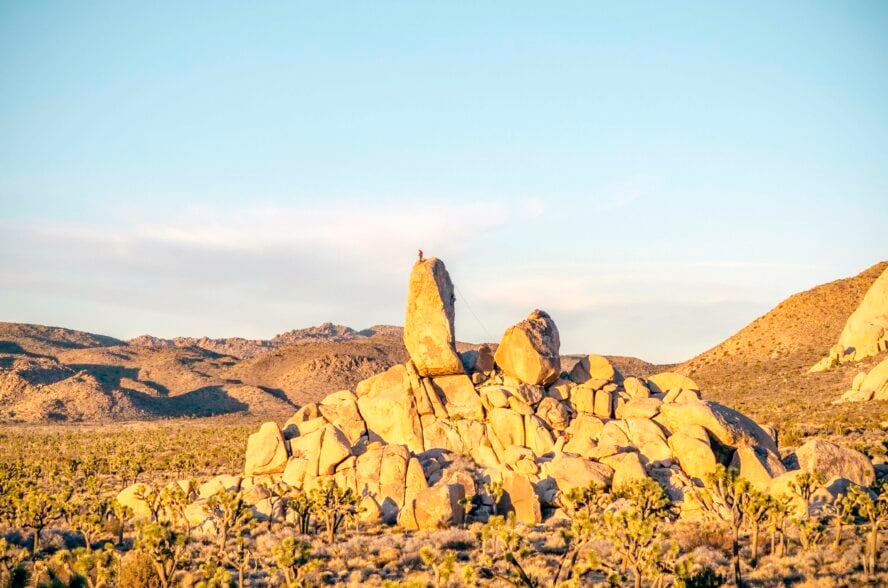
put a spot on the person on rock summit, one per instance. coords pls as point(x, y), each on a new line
point(420, 255)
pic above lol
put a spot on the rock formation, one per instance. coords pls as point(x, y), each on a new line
point(866, 332)
point(529, 351)
point(428, 326)
point(868, 386)
point(421, 440)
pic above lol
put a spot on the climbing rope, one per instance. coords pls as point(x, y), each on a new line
point(465, 301)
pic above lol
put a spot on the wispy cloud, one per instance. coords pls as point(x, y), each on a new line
point(258, 270)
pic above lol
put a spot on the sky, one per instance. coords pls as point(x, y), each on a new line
point(654, 175)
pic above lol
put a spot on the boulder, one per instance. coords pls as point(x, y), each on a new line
point(728, 426)
point(583, 432)
point(387, 405)
point(582, 399)
point(519, 495)
point(670, 381)
point(876, 382)
point(556, 414)
point(635, 388)
point(129, 497)
point(507, 426)
point(690, 446)
point(646, 408)
point(649, 438)
point(428, 324)
point(217, 484)
point(758, 466)
point(266, 451)
point(571, 472)
point(866, 332)
point(537, 436)
point(627, 468)
point(560, 389)
point(834, 461)
point(495, 396)
point(308, 412)
point(341, 410)
point(436, 507)
point(196, 513)
point(529, 350)
point(478, 360)
point(604, 404)
point(335, 448)
point(461, 399)
point(593, 367)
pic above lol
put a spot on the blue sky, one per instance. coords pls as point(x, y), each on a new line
point(654, 175)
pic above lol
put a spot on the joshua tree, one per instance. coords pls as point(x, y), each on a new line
point(635, 531)
point(507, 542)
point(11, 557)
point(36, 509)
point(842, 513)
point(97, 568)
point(213, 575)
point(756, 510)
point(293, 559)
point(724, 497)
point(778, 514)
point(302, 504)
point(874, 510)
point(88, 518)
point(335, 505)
point(495, 490)
point(231, 513)
point(165, 547)
point(441, 565)
point(804, 486)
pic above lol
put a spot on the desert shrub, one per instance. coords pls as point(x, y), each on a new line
point(137, 570)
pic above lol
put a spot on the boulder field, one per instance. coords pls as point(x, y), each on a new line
point(421, 441)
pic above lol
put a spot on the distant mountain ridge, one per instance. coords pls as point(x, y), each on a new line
point(57, 374)
point(246, 348)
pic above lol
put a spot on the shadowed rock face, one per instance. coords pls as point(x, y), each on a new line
point(529, 350)
point(428, 324)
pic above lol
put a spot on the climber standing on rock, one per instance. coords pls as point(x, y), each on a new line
point(420, 255)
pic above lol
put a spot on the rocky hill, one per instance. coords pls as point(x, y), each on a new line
point(763, 369)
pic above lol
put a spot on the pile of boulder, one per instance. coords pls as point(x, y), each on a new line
point(423, 443)
point(872, 385)
point(865, 333)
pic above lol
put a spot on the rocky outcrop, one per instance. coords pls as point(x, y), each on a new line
point(428, 324)
point(415, 447)
point(869, 386)
point(866, 332)
point(529, 350)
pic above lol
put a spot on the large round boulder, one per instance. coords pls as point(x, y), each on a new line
point(834, 461)
point(529, 350)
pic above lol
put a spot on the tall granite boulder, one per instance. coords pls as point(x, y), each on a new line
point(428, 325)
point(529, 351)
